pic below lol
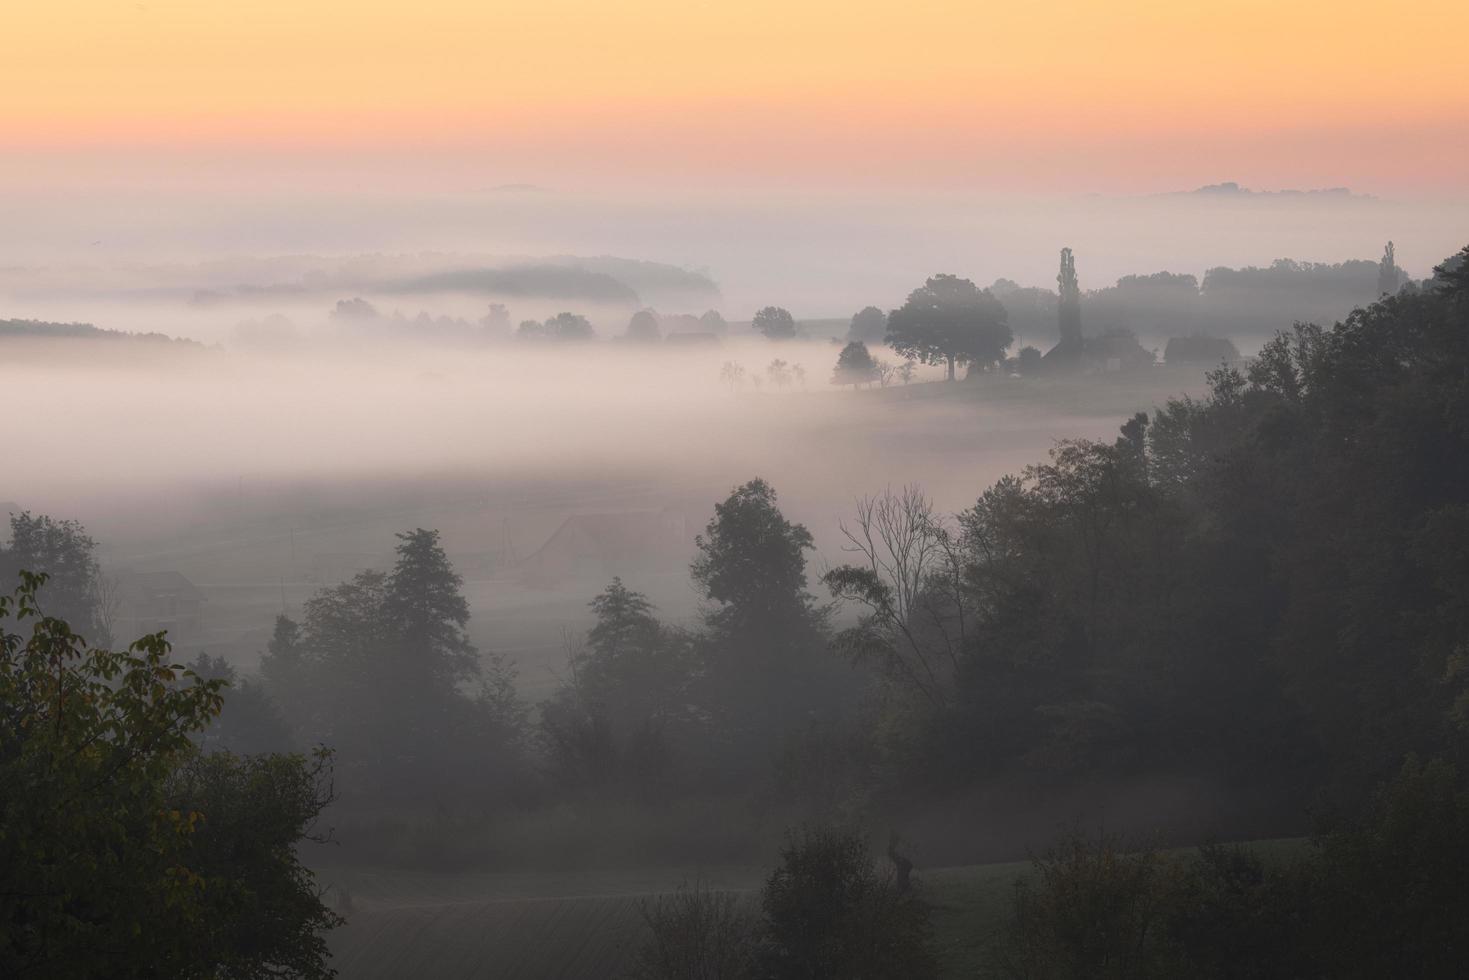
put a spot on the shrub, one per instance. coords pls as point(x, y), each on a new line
point(1092, 912)
point(1388, 895)
point(697, 933)
point(830, 912)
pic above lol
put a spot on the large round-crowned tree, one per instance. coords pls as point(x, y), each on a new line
point(950, 321)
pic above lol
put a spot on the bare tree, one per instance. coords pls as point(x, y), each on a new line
point(909, 578)
point(108, 603)
point(732, 374)
point(779, 373)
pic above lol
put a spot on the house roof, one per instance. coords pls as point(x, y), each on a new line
point(154, 585)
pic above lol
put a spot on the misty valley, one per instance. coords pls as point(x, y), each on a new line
point(1006, 631)
point(778, 490)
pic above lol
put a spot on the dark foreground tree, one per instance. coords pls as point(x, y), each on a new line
point(950, 321)
point(123, 853)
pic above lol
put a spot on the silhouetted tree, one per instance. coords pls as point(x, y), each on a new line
point(569, 327)
point(1387, 272)
point(76, 590)
point(868, 325)
point(775, 323)
point(779, 373)
point(731, 374)
point(382, 667)
point(607, 725)
point(830, 912)
point(117, 857)
point(495, 324)
point(249, 723)
point(713, 322)
point(1069, 310)
point(763, 634)
point(950, 321)
point(644, 326)
point(854, 366)
point(1028, 362)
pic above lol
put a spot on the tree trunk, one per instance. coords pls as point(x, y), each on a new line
point(951, 367)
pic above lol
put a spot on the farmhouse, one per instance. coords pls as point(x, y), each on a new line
point(603, 545)
point(153, 601)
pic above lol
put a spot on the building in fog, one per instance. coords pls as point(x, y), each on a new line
point(151, 601)
point(603, 545)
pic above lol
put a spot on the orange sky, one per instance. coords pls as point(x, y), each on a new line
point(1086, 95)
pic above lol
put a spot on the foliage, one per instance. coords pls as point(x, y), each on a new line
point(869, 325)
point(909, 581)
point(1091, 911)
point(261, 913)
point(830, 913)
point(1378, 894)
point(950, 321)
point(643, 327)
point(249, 722)
point(1069, 309)
point(62, 550)
point(763, 638)
point(561, 328)
point(1233, 584)
point(382, 669)
point(1028, 362)
point(731, 374)
point(775, 323)
point(854, 366)
point(609, 724)
point(779, 372)
point(698, 933)
point(106, 869)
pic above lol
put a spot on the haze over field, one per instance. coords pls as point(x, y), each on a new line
point(683, 491)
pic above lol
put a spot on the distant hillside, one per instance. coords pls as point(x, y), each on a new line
point(83, 331)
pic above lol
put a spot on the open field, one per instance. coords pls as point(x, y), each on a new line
point(260, 536)
point(586, 926)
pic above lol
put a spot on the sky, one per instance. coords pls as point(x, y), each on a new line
point(1124, 96)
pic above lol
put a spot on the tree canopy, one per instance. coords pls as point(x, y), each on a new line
point(643, 327)
point(775, 323)
point(950, 321)
point(854, 366)
point(123, 851)
point(869, 325)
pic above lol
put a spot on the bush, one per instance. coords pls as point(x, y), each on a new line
point(1092, 912)
point(1234, 917)
point(1379, 895)
point(697, 933)
point(1388, 893)
point(831, 913)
